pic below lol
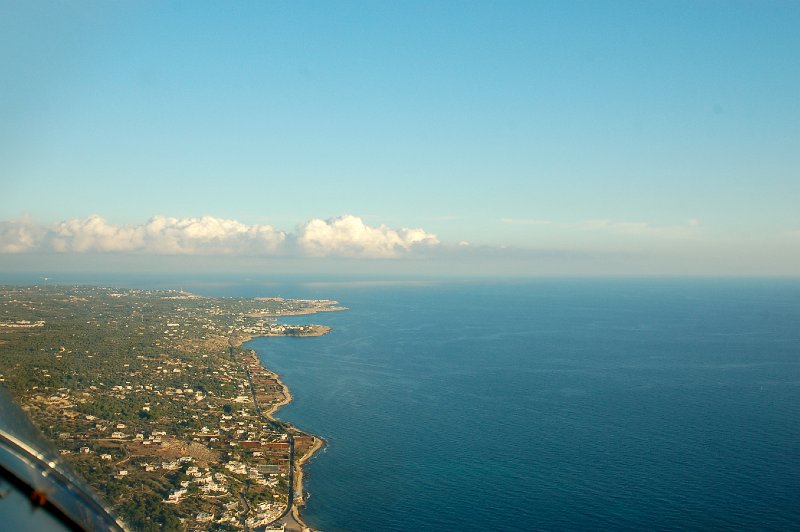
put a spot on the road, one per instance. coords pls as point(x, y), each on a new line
point(286, 517)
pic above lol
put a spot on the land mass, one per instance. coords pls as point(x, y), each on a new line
point(152, 398)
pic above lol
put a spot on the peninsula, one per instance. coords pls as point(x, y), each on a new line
point(153, 399)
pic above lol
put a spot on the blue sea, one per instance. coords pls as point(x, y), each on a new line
point(569, 404)
point(655, 404)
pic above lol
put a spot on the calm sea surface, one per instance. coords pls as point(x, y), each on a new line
point(551, 405)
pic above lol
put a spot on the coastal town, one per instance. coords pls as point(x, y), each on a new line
point(152, 398)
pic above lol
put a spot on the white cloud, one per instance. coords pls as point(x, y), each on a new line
point(209, 235)
point(346, 236)
point(163, 235)
point(349, 236)
point(18, 236)
point(93, 234)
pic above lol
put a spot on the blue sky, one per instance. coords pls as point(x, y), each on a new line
point(553, 137)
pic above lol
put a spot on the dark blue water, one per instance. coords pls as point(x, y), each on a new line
point(551, 405)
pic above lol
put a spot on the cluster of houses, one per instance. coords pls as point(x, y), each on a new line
point(215, 484)
point(205, 481)
point(22, 324)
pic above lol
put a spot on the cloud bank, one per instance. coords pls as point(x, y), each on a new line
point(344, 236)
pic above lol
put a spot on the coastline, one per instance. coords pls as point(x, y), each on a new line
point(319, 444)
point(287, 394)
point(293, 515)
point(294, 312)
point(313, 331)
point(320, 305)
